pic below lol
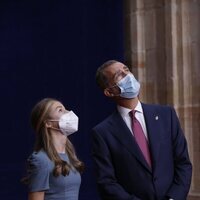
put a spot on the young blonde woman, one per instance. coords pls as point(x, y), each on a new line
point(53, 167)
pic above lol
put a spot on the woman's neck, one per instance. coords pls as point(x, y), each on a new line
point(59, 141)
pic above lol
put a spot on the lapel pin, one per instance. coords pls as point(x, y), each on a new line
point(156, 117)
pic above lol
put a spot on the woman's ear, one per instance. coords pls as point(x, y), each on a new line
point(48, 124)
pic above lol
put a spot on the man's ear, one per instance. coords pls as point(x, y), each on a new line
point(108, 93)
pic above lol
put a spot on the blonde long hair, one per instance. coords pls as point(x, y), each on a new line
point(39, 115)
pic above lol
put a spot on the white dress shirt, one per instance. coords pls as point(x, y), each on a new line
point(124, 112)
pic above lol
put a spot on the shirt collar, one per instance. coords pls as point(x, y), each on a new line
point(125, 111)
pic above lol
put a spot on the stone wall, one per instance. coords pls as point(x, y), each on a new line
point(162, 47)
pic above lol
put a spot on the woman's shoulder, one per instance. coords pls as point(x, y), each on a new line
point(39, 159)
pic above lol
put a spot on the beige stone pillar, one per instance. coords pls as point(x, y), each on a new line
point(145, 46)
point(162, 39)
point(135, 52)
point(191, 85)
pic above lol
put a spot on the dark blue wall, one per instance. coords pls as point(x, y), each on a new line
point(52, 49)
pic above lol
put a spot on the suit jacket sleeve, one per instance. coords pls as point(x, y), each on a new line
point(182, 165)
point(107, 183)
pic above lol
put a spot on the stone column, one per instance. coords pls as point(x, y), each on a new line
point(145, 46)
point(191, 85)
point(162, 39)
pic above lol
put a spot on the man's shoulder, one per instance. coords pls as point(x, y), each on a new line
point(105, 122)
point(157, 106)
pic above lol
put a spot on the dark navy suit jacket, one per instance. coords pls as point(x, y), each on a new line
point(122, 172)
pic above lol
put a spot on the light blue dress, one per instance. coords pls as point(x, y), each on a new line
point(40, 169)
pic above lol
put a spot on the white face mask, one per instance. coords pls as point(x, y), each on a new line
point(68, 123)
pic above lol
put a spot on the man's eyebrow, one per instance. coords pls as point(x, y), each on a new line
point(125, 67)
point(117, 73)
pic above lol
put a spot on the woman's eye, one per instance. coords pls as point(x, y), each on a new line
point(60, 110)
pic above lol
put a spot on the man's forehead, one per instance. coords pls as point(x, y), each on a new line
point(114, 69)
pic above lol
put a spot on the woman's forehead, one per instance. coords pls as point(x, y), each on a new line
point(56, 105)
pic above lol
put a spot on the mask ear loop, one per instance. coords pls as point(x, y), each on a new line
point(109, 94)
point(49, 126)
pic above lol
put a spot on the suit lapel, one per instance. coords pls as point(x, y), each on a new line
point(153, 130)
point(125, 137)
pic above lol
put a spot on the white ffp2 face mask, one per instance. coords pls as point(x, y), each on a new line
point(68, 123)
point(129, 86)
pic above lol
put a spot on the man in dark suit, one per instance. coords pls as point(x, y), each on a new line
point(125, 171)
